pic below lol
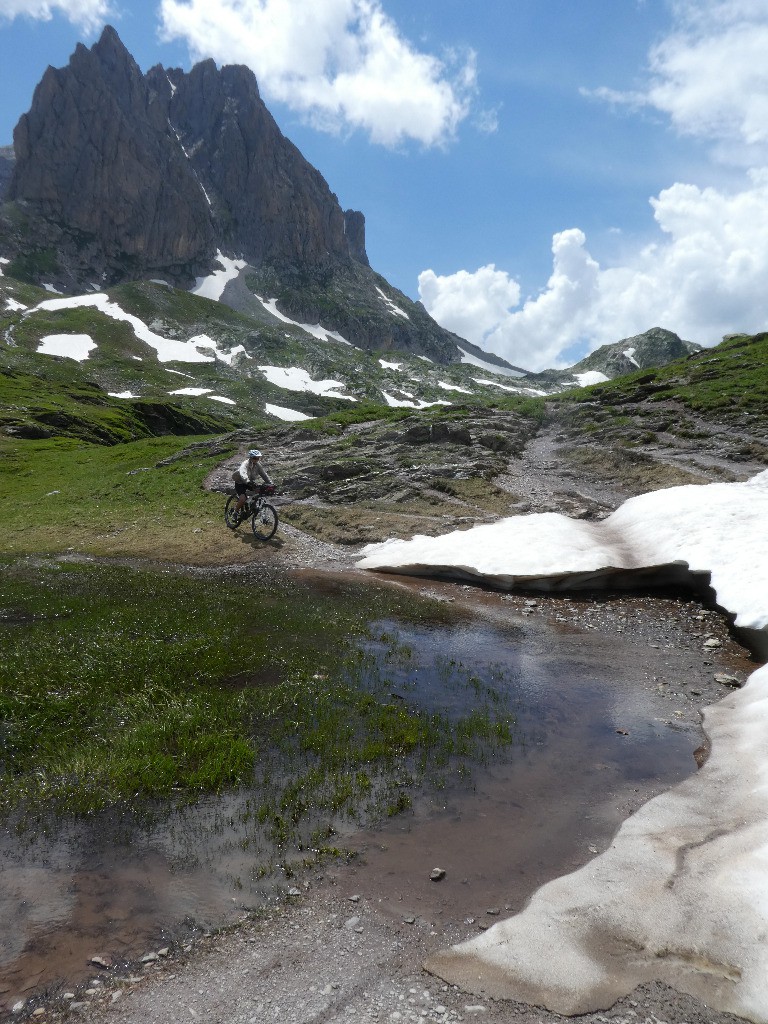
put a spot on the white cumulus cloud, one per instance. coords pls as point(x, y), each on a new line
point(86, 14)
point(705, 274)
point(342, 63)
point(704, 278)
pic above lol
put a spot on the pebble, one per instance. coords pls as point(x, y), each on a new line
point(437, 874)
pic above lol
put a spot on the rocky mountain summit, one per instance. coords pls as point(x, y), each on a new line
point(118, 176)
point(652, 348)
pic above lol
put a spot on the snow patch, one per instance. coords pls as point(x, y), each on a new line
point(167, 349)
point(13, 305)
point(391, 306)
point(630, 354)
point(192, 391)
point(397, 403)
point(50, 288)
point(71, 346)
point(121, 394)
point(390, 366)
point(590, 377)
point(453, 387)
point(293, 378)
point(503, 371)
point(283, 413)
point(316, 330)
point(222, 399)
point(212, 286)
point(680, 896)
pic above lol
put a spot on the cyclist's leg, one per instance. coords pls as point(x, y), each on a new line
point(241, 489)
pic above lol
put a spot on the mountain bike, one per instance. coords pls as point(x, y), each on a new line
point(263, 515)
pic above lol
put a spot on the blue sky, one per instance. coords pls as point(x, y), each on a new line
point(546, 175)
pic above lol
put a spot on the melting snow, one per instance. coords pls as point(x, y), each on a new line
point(453, 387)
point(212, 286)
point(282, 413)
point(394, 309)
point(13, 305)
point(293, 378)
point(121, 394)
point(167, 349)
point(314, 329)
point(191, 391)
point(590, 377)
point(681, 893)
point(397, 403)
point(220, 398)
point(390, 366)
point(503, 371)
point(630, 354)
point(50, 288)
point(72, 346)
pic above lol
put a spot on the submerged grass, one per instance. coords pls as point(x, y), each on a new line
point(120, 686)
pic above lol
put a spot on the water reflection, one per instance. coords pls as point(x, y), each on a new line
point(587, 737)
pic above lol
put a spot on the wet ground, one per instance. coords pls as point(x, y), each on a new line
point(606, 692)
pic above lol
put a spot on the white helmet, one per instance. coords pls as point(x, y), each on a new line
point(254, 453)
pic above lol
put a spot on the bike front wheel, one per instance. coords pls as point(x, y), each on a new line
point(231, 515)
point(264, 522)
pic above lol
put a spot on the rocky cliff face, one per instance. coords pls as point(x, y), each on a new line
point(7, 160)
point(120, 175)
point(95, 157)
point(124, 173)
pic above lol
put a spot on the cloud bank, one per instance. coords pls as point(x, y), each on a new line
point(341, 63)
point(705, 274)
point(86, 14)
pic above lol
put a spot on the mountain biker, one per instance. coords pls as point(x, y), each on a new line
point(245, 476)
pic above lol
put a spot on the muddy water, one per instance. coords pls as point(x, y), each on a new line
point(606, 717)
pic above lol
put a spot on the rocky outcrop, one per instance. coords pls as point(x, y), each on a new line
point(268, 202)
point(120, 175)
point(95, 156)
point(7, 160)
point(124, 174)
point(655, 347)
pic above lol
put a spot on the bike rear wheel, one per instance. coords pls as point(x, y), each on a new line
point(231, 515)
point(264, 522)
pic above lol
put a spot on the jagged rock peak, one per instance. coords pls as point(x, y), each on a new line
point(136, 173)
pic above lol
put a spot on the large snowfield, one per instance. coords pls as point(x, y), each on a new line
point(681, 895)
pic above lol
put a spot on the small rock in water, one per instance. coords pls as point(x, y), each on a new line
point(493, 911)
point(101, 961)
point(437, 874)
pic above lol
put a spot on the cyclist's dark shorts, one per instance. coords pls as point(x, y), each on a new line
point(240, 486)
